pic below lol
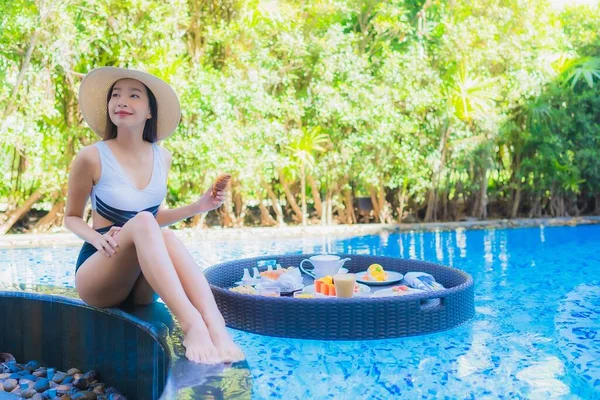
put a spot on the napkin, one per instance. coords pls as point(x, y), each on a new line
point(288, 281)
point(423, 281)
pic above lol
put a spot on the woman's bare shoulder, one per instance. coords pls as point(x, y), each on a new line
point(87, 163)
point(88, 156)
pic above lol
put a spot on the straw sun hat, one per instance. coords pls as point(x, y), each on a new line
point(93, 92)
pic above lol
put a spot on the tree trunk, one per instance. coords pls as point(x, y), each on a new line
point(402, 200)
point(238, 201)
point(6, 215)
point(53, 218)
point(19, 212)
point(297, 216)
point(226, 213)
point(444, 201)
point(303, 193)
point(349, 203)
point(516, 185)
point(265, 217)
point(314, 187)
point(431, 212)
point(482, 200)
point(597, 204)
point(327, 212)
point(32, 43)
point(198, 221)
point(376, 206)
point(324, 214)
point(341, 212)
point(276, 206)
point(56, 215)
point(536, 206)
point(516, 202)
point(384, 206)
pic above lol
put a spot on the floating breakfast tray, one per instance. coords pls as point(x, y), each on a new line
point(345, 319)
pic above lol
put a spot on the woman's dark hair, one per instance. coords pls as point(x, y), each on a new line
point(151, 127)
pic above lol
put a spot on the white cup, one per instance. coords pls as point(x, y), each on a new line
point(324, 264)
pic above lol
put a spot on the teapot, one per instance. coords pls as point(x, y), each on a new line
point(324, 264)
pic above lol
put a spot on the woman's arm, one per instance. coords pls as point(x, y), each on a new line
point(166, 216)
point(81, 179)
point(207, 202)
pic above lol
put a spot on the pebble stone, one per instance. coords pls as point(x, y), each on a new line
point(34, 381)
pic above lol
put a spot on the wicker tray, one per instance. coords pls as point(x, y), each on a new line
point(344, 319)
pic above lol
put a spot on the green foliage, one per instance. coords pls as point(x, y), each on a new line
point(469, 99)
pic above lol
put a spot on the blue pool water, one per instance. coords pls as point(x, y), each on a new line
point(536, 333)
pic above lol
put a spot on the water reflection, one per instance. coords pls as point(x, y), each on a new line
point(461, 241)
point(439, 250)
point(521, 277)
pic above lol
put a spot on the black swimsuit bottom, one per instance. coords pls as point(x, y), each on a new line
point(87, 250)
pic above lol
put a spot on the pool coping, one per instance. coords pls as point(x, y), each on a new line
point(65, 238)
point(183, 377)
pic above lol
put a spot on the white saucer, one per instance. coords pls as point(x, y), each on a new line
point(252, 282)
point(392, 277)
point(390, 293)
point(298, 286)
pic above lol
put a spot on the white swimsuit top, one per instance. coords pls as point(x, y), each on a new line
point(115, 198)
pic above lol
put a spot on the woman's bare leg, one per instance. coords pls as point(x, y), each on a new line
point(106, 281)
point(142, 293)
point(198, 291)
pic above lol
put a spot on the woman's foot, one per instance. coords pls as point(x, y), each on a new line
point(228, 350)
point(199, 347)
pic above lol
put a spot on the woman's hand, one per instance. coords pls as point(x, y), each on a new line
point(209, 202)
point(106, 244)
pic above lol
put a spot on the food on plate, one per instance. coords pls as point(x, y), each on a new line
point(274, 274)
point(375, 273)
point(325, 285)
point(304, 295)
point(244, 289)
point(401, 290)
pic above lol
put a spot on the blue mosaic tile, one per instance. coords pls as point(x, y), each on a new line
point(536, 333)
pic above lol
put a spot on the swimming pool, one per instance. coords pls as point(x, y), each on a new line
point(535, 333)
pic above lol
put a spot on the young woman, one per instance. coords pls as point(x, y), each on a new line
point(127, 253)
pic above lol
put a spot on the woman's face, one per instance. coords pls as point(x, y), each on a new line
point(128, 106)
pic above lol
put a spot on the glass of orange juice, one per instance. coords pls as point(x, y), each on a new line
point(344, 285)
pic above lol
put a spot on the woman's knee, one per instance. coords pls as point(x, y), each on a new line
point(144, 220)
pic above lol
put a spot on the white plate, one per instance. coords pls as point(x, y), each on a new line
point(299, 286)
point(362, 290)
point(390, 293)
point(392, 277)
point(251, 282)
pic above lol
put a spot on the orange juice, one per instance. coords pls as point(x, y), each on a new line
point(344, 285)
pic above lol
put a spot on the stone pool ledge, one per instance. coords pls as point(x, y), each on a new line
point(174, 377)
point(65, 238)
